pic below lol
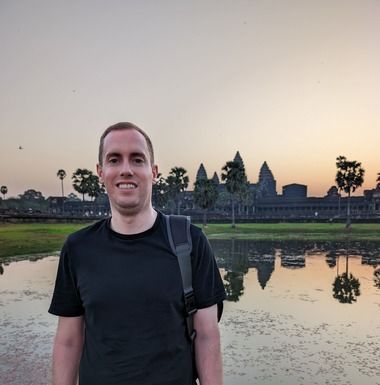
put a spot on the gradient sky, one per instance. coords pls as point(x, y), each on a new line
point(293, 82)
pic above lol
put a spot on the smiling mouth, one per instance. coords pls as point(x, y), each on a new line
point(126, 186)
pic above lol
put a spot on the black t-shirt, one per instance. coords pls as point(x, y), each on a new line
point(129, 289)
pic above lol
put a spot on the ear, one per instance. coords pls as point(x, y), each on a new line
point(154, 173)
point(99, 170)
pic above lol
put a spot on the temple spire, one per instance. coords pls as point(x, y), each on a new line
point(238, 158)
point(201, 173)
point(215, 178)
point(266, 185)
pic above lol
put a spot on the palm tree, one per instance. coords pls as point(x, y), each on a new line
point(348, 178)
point(224, 200)
point(378, 180)
point(4, 190)
point(205, 196)
point(82, 181)
point(95, 188)
point(245, 198)
point(177, 182)
point(233, 173)
point(160, 192)
point(61, 174)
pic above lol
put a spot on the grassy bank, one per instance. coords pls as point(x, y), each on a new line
point(36, 238)
point(295, 231)
point(33, 238)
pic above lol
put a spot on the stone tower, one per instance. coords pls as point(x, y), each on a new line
point(201, 173)
point(215, 179)
point(238, 158)
point(266, 185)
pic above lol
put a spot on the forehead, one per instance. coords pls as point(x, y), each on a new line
point(125, 141)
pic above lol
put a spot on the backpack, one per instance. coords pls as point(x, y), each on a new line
point(178, 232)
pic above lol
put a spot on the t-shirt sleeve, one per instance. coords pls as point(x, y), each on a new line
point(207, 282)
point(66, 301)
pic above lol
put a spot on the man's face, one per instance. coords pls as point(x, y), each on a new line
point(127, 172)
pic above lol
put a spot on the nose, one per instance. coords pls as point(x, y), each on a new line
point(126, 169)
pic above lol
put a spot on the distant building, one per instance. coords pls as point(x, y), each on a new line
point(264, 203)
point(74, 207)
point(294, 190)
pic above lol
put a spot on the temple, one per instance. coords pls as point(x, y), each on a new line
point(260, 202)
point(264, 202)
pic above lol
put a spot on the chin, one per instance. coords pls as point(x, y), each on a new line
point(127, 209)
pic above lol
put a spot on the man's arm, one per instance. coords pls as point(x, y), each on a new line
point(207, 347)
point(67, 350)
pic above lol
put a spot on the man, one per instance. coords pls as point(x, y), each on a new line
point(118, 291)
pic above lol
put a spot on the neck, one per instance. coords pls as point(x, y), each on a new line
point(133, 223)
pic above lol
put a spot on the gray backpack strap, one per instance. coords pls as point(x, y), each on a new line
point(178, 230)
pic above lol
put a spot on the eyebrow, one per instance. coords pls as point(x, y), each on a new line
point(133, 154)
point(111, 154)
point(140, 154)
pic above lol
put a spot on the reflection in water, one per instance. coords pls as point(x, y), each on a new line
point(265, 269)
point(293, 261)
point(346, 287)
point(241, 256)
point(292, 333)
point(376, 278)
point(297, 330)
point(234, 285)
point(236, 268)
point(238, 256)
point(331, 258)
point(226, 248)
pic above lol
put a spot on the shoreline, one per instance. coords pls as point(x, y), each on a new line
point(41, 238)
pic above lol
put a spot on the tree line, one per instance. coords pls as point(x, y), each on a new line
point(168, 192)
point(205, 194)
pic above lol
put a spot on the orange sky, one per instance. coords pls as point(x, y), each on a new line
point(293, 83)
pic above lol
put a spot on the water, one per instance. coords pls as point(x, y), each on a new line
point(284, 326)
point(26, 329)
point(281, 324)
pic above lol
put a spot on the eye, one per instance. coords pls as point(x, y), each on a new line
point(113, 160)
point(139, 161)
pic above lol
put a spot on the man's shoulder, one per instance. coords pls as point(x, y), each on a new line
point(196, 232)
point(87, 232)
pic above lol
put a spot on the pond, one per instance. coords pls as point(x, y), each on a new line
point(297, 313)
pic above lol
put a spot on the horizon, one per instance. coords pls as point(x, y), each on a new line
point(293, 83)
point(68, 179)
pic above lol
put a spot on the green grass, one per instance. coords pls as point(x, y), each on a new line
point(295, 231)
point(39, 238)
point(33, 238)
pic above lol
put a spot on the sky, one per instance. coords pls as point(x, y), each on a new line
point(294, 83)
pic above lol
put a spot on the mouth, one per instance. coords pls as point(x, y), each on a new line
point(126, 186)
